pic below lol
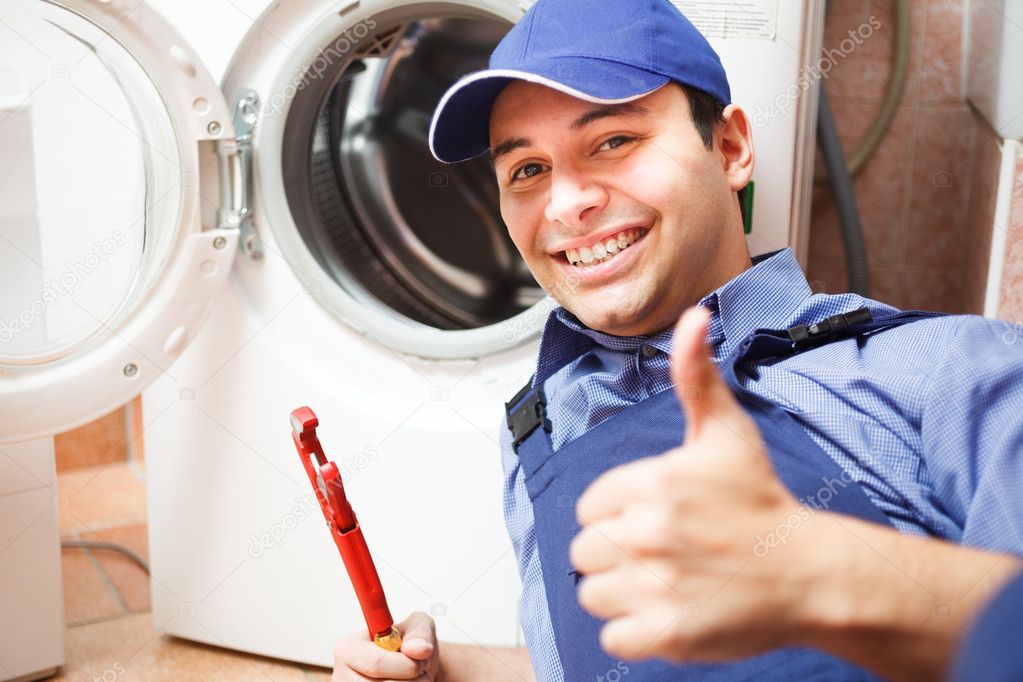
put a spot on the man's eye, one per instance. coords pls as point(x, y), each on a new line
point(616, 141)
point(530, 169)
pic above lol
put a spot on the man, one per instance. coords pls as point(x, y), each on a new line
point(807, 526)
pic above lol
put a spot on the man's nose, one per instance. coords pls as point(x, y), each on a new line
point(573, 196)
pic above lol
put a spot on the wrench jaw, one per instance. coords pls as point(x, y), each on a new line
point(303, 432)
point(304, 423)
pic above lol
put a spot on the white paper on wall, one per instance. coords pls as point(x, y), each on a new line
point(732, 19)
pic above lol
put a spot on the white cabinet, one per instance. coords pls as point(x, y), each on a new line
point(31, 596)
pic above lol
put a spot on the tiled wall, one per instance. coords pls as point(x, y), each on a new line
point(113, 438)
point(921, 189)
point(102, 498)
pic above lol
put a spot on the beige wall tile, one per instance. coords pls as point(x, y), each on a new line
point(940, 193)
point(136, 444)
point(100, 497)
point(942, 57)
point(938, 290)
point(99, 442)
point(863, 75)
point(130, 581)
point(87, 596)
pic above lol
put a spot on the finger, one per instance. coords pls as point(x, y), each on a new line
point(348, 675)
point(703, 394)
point(626, 590)
point(626, 637)
point(616, 489)
point(602, 595)
point(645, 530)
point(595, 548)
point(368, 659)
point(641, 635)
point(419, 636)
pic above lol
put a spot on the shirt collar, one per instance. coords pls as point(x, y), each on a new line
point(765, 296)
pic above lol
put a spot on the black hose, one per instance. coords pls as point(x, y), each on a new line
point(844, 196)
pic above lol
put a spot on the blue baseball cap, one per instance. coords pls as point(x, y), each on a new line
point(601, 51)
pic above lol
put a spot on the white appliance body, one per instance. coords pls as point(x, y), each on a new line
point(419, 436)
point(240, 557)
point(993, 61)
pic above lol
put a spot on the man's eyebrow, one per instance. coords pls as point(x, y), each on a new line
point(507, 147)
point(603, 111)
point(606, 110)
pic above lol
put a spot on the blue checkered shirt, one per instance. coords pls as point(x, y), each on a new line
point(926, 417)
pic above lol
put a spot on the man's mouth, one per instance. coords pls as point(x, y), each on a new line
point(605, 249)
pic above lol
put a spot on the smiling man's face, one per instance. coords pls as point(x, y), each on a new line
point(622, 213)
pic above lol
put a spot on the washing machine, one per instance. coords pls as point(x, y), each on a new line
point(285, 238)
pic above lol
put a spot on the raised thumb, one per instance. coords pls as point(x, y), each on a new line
point(702, 392)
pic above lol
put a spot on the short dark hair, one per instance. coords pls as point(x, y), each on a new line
point(707, 113)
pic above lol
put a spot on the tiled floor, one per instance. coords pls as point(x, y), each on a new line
point(109, 633)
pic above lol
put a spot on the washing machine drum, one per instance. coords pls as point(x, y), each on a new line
point(423, 239)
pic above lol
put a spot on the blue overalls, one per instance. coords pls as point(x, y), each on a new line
point(555, 480)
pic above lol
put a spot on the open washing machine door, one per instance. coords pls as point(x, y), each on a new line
point(121, 206)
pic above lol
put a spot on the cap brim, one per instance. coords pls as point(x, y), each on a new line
point(460, 129)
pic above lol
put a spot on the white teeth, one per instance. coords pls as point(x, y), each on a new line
point(603, 251)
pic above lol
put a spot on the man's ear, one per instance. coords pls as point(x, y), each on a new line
point(735, 142)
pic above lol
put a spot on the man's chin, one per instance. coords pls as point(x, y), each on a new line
point(610, 317)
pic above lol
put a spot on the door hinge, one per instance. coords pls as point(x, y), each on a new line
point(236, 176)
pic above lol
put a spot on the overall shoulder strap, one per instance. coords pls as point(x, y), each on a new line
point(526, 411)
point(766, 343)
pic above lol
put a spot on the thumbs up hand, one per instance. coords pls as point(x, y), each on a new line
point(667, 542)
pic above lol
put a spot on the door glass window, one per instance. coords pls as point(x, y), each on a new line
point(89, 182)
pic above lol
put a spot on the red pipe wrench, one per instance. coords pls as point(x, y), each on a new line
point(344, 528)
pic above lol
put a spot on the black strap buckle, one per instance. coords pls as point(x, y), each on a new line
point(828, 328)
point(529, 414)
